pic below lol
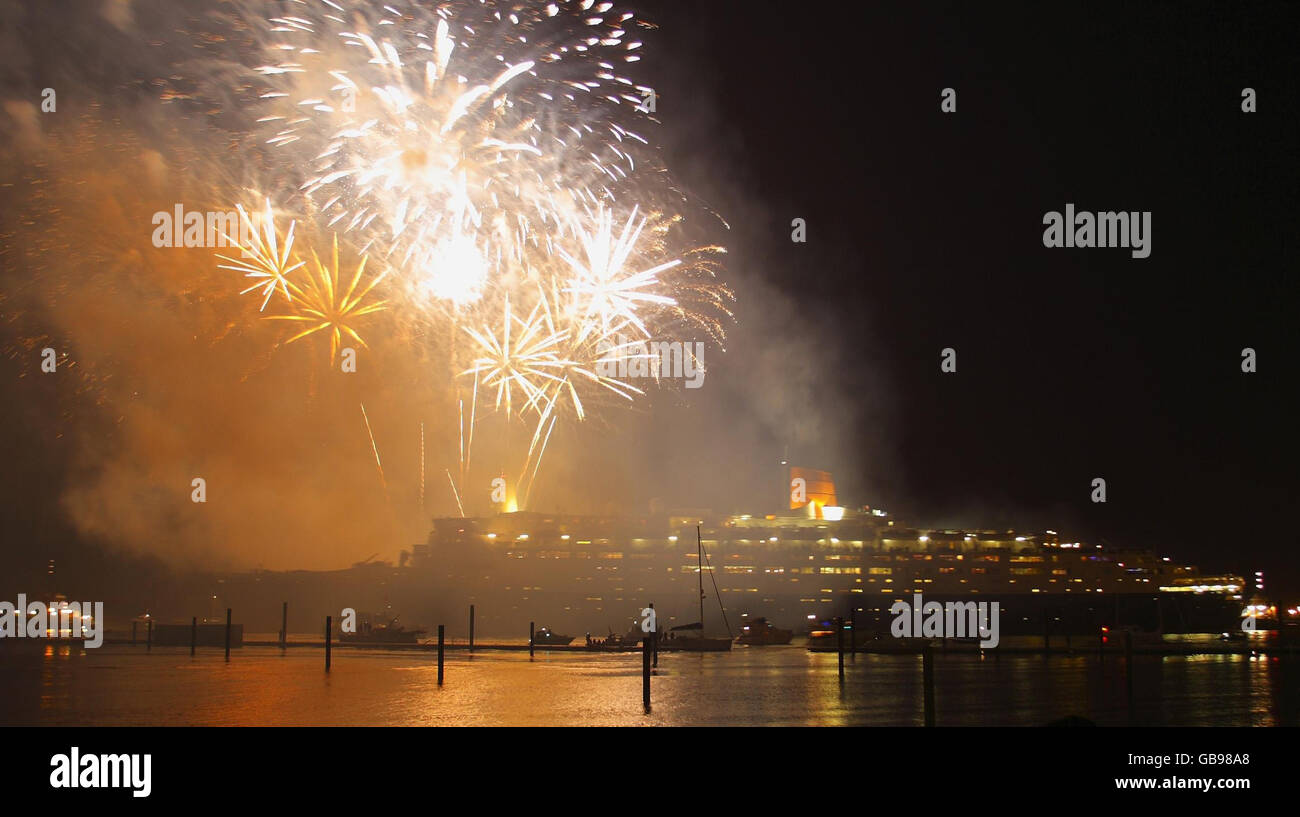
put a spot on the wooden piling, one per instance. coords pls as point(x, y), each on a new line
point(194, 634)
point(839, 645)
point(284, 625)
point(532, 638)
point(654, 642)
point(471, 628)
point(227, 633)
point(440, 654)
point(927, 680)
point(133, 625)
point(646, 647)
point(329, 626)
point(148, 644)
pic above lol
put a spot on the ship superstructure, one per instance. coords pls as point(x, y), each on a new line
point(799, 567)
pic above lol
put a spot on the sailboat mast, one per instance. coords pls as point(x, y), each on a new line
point(699, 558)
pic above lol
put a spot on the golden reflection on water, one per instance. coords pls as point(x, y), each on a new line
point(785, 686)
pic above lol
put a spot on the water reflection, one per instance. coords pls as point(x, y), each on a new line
point(786, 686)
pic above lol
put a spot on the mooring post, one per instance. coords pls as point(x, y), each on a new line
point(839, 644)
point(927, 679)
point(148, 644)
point(194, 633)
point(646, 647)
point(133, 624)
point(532, 638)
point(654, 641)
point(227, 633)
point(284, 625)
point(329, 625)
point(440, 655)
point(471, 628)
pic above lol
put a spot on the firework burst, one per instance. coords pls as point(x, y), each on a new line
point(266, 258)
point(520, 361)
point(611, 297)
point(456, 141)
point(489, 155)
point(323, 304)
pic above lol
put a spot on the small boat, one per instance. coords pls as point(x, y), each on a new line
point(545, 637)
point(760, 632)
point(692, 643)
point(680, 639)
point(822, 636)
point(615, 642)
point(388, 633)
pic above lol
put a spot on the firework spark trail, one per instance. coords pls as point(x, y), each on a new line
point(454, 492)
point(538, 464)
point(378, 465)
point(473, 408)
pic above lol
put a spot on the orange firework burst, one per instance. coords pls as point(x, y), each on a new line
point(325, 306)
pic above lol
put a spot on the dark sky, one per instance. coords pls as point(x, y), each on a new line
point(924, 231)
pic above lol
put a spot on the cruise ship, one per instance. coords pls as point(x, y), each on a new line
point(809, 563)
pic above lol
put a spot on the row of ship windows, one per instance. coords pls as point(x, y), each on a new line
point(855, 571)
point(903, 584)
point(873, 571)
point(619, 555)
point(888, 545)
point(899, 588)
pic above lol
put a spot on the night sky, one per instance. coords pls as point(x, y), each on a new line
point(924, 231)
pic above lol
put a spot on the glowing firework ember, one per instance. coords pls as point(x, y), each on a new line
point(489, 157)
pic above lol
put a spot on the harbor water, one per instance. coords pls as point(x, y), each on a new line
point(117, 684)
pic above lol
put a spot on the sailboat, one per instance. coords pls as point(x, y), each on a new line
point(692, 643)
